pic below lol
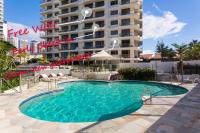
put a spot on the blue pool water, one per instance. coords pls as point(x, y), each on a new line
point(91, 101)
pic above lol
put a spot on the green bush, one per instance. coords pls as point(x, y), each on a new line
point(137, 74)
point(10, 84)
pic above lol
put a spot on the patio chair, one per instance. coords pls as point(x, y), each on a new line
point(62, 76)
point(54, 76)
point(45, 78)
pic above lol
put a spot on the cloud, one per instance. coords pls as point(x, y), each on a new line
point(31, 36)
point(160, 26)
point(147, 52)
point(156, 7)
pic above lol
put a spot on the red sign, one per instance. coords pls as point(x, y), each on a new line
point(10, 75)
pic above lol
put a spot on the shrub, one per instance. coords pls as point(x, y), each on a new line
point(10, 83)
point(137, 74)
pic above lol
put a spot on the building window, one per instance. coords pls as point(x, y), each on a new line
point(125, 53)
point(56, 5)
point(99, 44)
point(74, 18)
point(114, 2)
point(125, 22)
point(88, 45)
point(125, 43)
point(125, 2)
point(125, 11)
point(88, 35)
point(125, 32)
point(73, 9)
point(89, 5)
point(114, 52)
point(99, 14)
point(88, 25)
point(100, 23)
point(114, 22)
point(115, 12)
point(114, 32)
point(99, 34)
point(99, 4)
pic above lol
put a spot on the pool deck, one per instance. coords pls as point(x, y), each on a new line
point(164, 115)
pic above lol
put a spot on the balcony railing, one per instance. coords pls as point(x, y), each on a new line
point(44, 1)
point(123, 2)
point(99, 46)
point(125, 55)
point(125, 45)
point(88, 47)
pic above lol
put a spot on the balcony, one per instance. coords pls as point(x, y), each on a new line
point(137, 5)
point(89, 5)
point(99, 36)
point(99, 46)
point(125, 23)
point(64, 48)
point(53, 50)
point(125, 55)
point(45, 2)
point(137, 27)
point(137, 38)
point(98, 15)
point(123, 2)
point(125, 45)
point(125, 34)
point(67, 3)
point(137, 16)
point(73, 48)
point(88, 37)
point(44, 11)
point(88, 47)
point(99, 4)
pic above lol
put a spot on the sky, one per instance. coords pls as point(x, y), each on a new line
point(170, 21)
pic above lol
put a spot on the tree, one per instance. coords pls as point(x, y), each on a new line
point(193, 51)
point(162, 49)
point(6, 46)
point(170, 53)
point(22, 55)
point(180, 52)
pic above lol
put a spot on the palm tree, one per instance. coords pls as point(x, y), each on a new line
point(162, 49)
point(170, 53)
point(180, 52)
point(192, 52)
point(6, 46)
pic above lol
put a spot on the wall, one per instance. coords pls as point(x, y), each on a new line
point(160, 67)
point(56, 71)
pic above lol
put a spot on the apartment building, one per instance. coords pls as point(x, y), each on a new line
point(1, 19)
point(119, 20)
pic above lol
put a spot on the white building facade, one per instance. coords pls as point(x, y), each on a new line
point(1, 19)
point(119, 20)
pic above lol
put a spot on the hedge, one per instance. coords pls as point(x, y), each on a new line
point(137, 74)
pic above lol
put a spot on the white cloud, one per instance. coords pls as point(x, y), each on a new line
point(160, 26)
point(156, 7)
point(147, 52)
point(31, 36)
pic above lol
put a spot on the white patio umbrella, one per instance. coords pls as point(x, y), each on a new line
point(102, 55)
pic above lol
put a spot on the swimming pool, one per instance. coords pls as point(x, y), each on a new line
point(92, 101)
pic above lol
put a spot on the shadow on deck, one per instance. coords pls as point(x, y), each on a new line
point(183, 117)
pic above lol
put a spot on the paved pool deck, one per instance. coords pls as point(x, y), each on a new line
point(165, 115)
